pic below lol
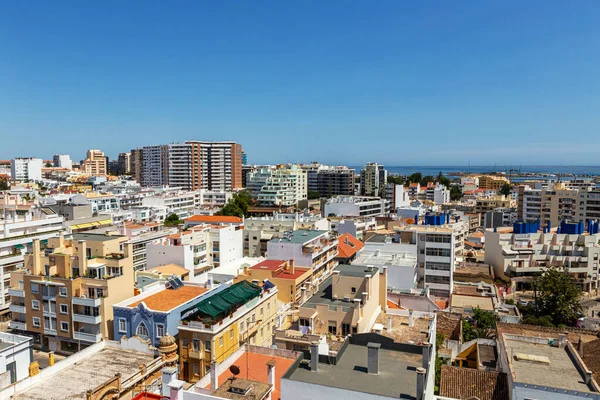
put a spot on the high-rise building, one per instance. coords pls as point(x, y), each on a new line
point(22, 169)
point(124, 163)
point(95, 163)
point(373, 178)
point(180, 165)
point(334, 181)
point(155, 166)
point(136, 164)
point(549, 205)
point(285, 187)
point(62, 161)
point(216, 165)
point(244, 158)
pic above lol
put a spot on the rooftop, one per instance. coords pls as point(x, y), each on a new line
point(553, 362)
point(401, 332)
point(299, 236)
point(87, 374)
point(397, 376)
point(279, 271)
point(256, 390)
point(466, 383)
point(168, 299)
point(223, 219)
point(348, 245)
point(96, 237)
point(169, 269)
point(464, 301)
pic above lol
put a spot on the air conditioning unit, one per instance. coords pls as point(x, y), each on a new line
point(346, 298)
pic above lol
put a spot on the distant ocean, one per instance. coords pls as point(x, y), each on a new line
point(574, 171)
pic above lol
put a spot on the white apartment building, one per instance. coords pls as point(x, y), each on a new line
point(397, 196)
point(438, 194)
point(20, 224)
point(308, 248)
point(16, 355)
point(180, 165)
point(172, 202)
point(521, 256)
point(62, 161)
point(285, 187)
point(105, 203)
point(258, 231)
point(356, 226)
point(140, 235)
point(373, 178)
point(22, 169)
point(589, 204)
point(359, 206)
point(255, 180)
point(440, 245)
point(212, 198)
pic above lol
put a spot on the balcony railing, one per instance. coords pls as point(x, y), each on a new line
point(18, 308)
point(16, 292)
point(85, 301)
point(19, 325)
point(87, 319)
point(87, 337)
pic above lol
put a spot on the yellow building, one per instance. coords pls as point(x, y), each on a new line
point(215, 328)
point(95, 163)
point(64, 294)
point(283, 274)
point(492, 182)
point(484, 205)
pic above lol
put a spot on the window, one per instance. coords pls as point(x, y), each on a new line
point(35, 304)
point(196, 344)
point(242, 326)
point(261, 332)
point(64, 309)
point(438, 266)
point(353, 290)
point(160, 330)
point(62, 291)
point(262, 312)
point(196, 367)
point(64, 326)
point(437, 279)
point(207, 346)
point(231, 334)
point(303, 322)
point(332, 327)
point(122, 325)
point(221, 341)
point(184, 342)
point(432, 251)
point(269, 305)
point(35, 288)
point(36, 321)
point(142, 330)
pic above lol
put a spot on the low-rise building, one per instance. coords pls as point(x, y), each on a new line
point(348, 248)
point(140, 236)
point(485, 205)
point(16, 355)
point(217, 326)
point(63, 295)
point(355, 226)
point(148, 278)
point(181, 203)
point(358, 206)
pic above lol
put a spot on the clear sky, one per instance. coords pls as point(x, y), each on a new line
point(402, 83)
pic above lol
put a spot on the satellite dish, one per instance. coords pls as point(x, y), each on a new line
point(234, 369)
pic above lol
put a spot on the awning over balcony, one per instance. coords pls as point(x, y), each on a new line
point(223, 303)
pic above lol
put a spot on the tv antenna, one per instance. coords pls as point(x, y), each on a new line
point(235, 370)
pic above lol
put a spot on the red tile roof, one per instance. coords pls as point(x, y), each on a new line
point(348, 245)
point(391, 304)
point(467, 383)
point(168, 299)
point(270, 265)
point(224, 219)
point(147, 396)
point(277, 267)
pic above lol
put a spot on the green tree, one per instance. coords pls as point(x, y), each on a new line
point(313, 195)
point(506, 189)
point(48, 165)
point(468, 331)
point(237, 205)
point(442, 180)
point(172, 220)
point(395, 179)
point(455, 193)
point(416, 177)
point(4, 185)
point(558, 297)
point(485, 319)
point(426, 179)
point(544, 320)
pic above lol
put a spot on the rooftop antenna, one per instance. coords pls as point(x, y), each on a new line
point(235, 370)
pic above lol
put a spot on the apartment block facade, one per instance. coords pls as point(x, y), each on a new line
point(23, 169)
point(356, 206)
point(95, 163)
point(285, 187)
point(64, 294)
point(334, 181)
point(373, 178)
point(62, 161)
point(549, 205)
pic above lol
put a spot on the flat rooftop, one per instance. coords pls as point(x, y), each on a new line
point(96, 237)
point(397, 373)
point(256, 390)
point(299, 236)
point(559, 372)
point(73, 382)
point(324, 295)
point(401, 332)
point(464, 301)
point(168, 299)
point(169, 269)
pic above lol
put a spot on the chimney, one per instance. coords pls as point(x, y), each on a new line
point(411, 321)
point(421, 372)
point(176, 390)
point(373, 358)
point(214, 377)
point(314, 356)
point(169, 374)
point(291, 266)
point(37, 261)
point(588, 377)
point(562, 340)
point(426, 354)
point(271, 376)
point(389, 326)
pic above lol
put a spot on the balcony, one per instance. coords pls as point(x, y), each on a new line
point(87, 319)
point(48, 331)
point(18, 325)
point(16, 292)
point(85, 301)
point(18, 308)
point(87, 337)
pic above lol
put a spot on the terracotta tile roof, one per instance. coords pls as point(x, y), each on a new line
point(269, 265)
point(591, 357)
point(169, 269)
point(391, 304)
point(348, 245)
point(467, 383)
point(277, 267)
point(258, 369)
point(573, 334)
point(168, 299)
point(214, 219)
point(298, 272)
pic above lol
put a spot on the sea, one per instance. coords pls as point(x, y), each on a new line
point(549, 172)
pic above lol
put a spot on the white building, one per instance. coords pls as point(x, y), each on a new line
point(19, 225)
point(440, 244)
point(356, 226)
point(22, 169)
point(358, 206)
point(397, 196)
point(399, 259)
point(255, 180)
point(16, 354)
point(105, 203)
point(62, 161)
point(180, 165)
point(172, 202)
point(212, 198)
point(285, 187)
point(258, 231)
point(438, 194)
point(140, 235)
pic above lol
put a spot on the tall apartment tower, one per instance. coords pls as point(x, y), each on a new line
point(136, 164)
point(155, 166)
point(373, 178)
point(180, 165)
point(95, 163)
point(216, 165)
point(22, 169)
point(124, 162)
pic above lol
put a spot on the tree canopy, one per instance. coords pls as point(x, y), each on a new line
point(484, 322)
point(313, 195)
point(4, 185)
point(558, 297)
point(455, 193)
point(237, 205)
point(506, 189)
point(416, 177)
point(172, 220)
point(395, 179)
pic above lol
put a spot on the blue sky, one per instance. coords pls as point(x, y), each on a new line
point(419, 83)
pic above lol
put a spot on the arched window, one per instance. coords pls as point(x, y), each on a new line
point(141, 330)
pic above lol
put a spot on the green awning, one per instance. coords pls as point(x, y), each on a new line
point(224, 302)
point(19, 246)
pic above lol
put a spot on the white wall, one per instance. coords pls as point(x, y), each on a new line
point(157, 255)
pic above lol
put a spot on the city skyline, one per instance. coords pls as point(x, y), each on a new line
point(405, 84)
